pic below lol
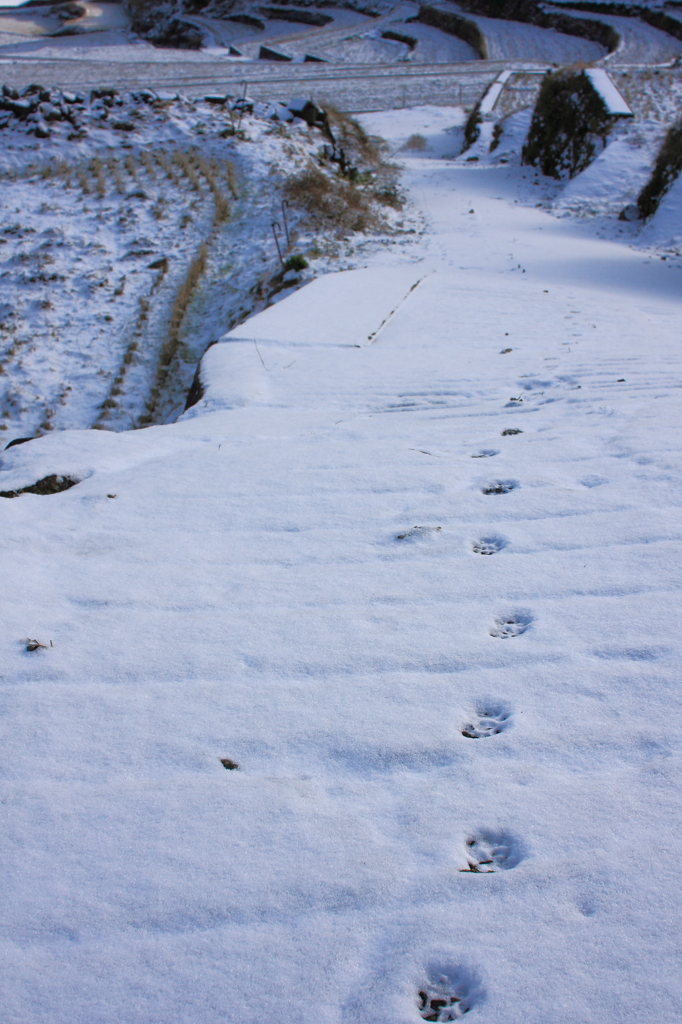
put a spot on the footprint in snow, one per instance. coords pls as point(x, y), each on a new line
point(489, 721)
point(447, 995)
point(593, 481)
point(485, 453)
point(488, 852)
point(499, 487)
point(418, 531)
point(512, 624)
point(489, 545)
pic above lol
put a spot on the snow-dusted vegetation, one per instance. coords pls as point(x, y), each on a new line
point(339, 502)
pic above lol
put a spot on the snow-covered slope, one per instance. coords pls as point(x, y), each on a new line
point(102, 222)
point(424, 592)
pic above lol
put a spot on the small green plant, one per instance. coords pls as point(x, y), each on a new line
point(295, 262)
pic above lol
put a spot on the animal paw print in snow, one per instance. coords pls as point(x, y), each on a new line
point(487, 723)
point(510, 625)
point(499, 487)
point(488, 545)
point(440, 1004)
point(488, 854)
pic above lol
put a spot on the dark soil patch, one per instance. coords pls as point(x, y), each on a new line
point(48, 485)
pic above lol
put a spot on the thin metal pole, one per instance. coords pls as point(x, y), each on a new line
point(285, 206)
point(275, 229)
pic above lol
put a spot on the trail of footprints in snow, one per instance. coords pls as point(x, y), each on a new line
point(448, 998)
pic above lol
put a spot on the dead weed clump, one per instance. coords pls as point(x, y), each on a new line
point(352, 181)
point(416, 142)
point(331, 202)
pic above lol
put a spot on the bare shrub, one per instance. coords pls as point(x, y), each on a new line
point(416, 142)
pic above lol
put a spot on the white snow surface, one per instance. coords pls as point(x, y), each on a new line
point(295, 581)
point(612, 99)
point(493, 93)
point(664, 230)
point(610, 183)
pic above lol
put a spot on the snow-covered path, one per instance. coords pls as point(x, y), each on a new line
point(306, 575)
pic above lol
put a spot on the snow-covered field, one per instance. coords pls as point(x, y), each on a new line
point(410, 563)
point(514, 40)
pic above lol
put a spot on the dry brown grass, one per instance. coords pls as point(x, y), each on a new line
point(182, 297)
point(415, 142)
point(209, 172)
point(332, 203)
point(170, 346)
point(129, 164)
point(165, 165)
point(112, 165)
point(231, 179)
point(146, 159)
point(98, 176)
point(186, 167)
